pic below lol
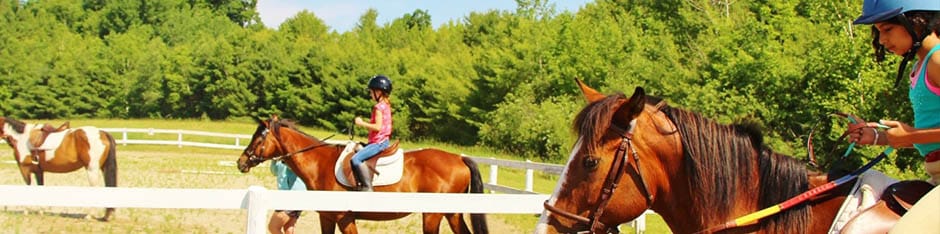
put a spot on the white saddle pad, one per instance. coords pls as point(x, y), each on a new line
point(389, 168)
point(866, 192)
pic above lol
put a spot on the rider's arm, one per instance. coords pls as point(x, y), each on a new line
point(371, 126)
point(903, 135)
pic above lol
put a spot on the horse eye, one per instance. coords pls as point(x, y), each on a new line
point(590, 162)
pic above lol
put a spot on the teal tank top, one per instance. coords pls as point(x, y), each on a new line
point(286, 179)
point(926, 105)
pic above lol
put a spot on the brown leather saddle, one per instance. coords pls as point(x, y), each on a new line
point(347, 166)
point(38, 137)
point(894, 203)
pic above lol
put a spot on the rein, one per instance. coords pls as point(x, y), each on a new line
point(618, 168)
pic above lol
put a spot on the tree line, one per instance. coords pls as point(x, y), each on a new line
point(502, 79)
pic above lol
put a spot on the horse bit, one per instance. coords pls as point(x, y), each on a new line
point(618, 168)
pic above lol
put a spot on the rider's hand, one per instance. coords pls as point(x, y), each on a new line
point(897, 134)
point(359, 121)
point(861, 133)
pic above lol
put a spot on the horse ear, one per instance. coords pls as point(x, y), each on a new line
point(589, 93)
point(633, 107)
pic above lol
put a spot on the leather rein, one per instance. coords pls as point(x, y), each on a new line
point(618, 168)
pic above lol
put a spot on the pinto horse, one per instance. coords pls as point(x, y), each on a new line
point(41, 148)
point(313, 160)
point(694, 172)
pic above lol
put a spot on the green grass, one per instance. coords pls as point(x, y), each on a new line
point(167, 166)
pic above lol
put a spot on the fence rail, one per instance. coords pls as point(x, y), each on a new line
point(531, 201)
point(258, 200)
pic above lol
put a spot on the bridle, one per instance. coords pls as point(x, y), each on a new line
point(254, 159)
point(618, 169)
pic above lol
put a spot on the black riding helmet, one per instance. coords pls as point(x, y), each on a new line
point(381, 82)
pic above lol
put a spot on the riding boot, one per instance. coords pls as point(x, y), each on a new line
point(364, 175)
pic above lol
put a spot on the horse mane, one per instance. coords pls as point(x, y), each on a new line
point(293, 126)
point(719, 160)
point(18, 126)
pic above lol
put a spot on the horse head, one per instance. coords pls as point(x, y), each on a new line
point(264, 144)
point(637, 153)
point(625, 148)
point(275, 139)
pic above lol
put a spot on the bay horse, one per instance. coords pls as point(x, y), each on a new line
point(41, 148)
point(313, 160)
point(694, 172)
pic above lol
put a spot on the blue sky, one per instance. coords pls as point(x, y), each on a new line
point(342, 15)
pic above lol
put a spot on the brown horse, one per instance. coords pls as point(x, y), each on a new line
point(692, 171)
point(41, 148)
point(425, 171)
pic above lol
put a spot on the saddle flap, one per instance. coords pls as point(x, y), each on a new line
point(902, 195)
point(392, 148)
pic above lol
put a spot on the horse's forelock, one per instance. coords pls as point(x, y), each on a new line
point(594, 121)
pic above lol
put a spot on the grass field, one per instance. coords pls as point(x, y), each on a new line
point(190, 167)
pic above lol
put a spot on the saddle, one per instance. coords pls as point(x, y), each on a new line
point(43, 132)
point(894, 203)
point(38, 137)
point(375, 164)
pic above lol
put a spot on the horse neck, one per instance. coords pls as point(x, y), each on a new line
point(315, 166)
point(676, 203)
point(17, 135)
point(21, 148)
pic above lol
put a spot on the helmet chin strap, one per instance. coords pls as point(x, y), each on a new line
point(917, 43)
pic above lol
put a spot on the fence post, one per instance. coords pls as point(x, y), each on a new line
point(639, 224)
point(179, 138)
point(236, 141)
point(257, 210)
point(528, 177)
point(124, 136)
point(493, 174)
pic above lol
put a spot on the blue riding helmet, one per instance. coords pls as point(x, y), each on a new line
point(874, 11)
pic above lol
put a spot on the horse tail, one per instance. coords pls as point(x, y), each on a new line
point(476, 186)
point(110, 172)
point(110, 164)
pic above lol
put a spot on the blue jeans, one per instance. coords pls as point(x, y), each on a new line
point(368, 152)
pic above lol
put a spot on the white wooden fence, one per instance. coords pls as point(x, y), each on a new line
point(258, 200)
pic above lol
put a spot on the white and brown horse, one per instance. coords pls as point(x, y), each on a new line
point(42, 148)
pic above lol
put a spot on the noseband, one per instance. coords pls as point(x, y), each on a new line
point(618, 168)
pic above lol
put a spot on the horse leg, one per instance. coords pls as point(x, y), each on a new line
point(347, 223)
point(327, 225)
point(432, 222)
point(457, 224)
point(40, 180)
point(27, 172)
point(93, 177)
